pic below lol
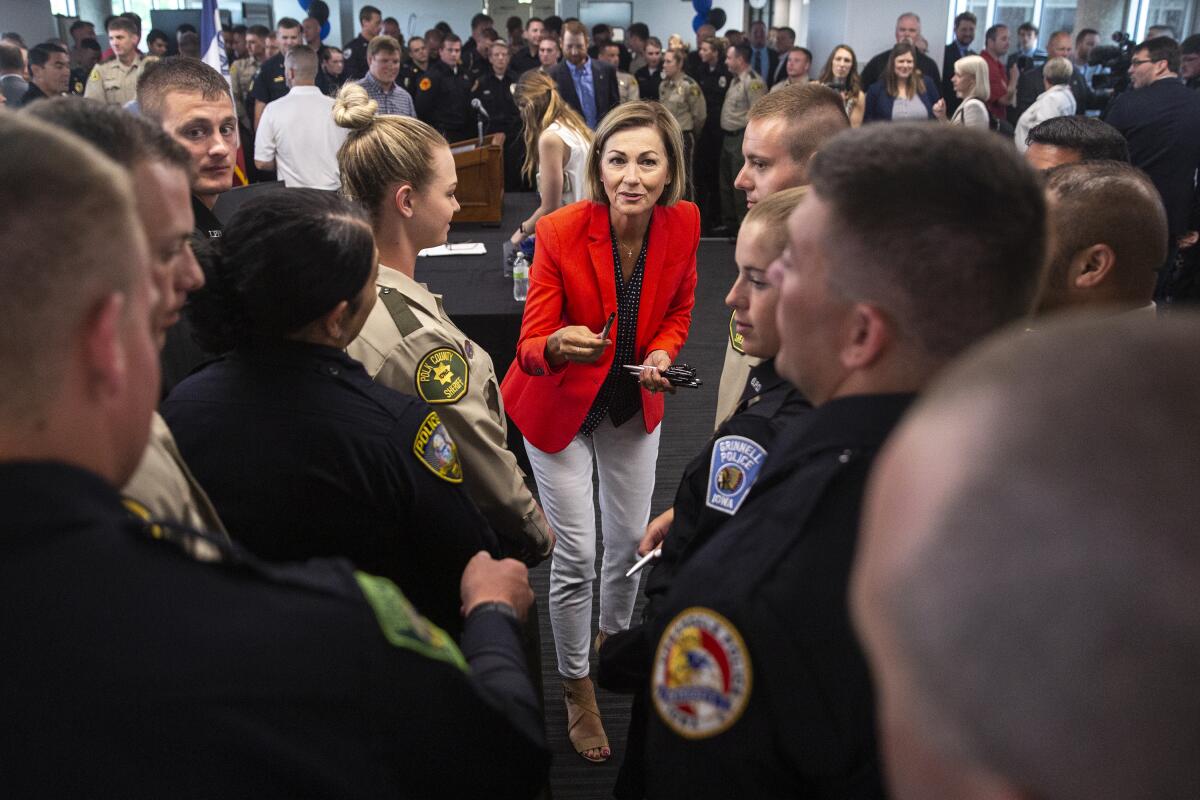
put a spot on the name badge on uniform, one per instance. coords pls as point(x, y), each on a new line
point(732, 471)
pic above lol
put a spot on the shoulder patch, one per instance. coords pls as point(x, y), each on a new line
point(736, 340)
point(402, 626)
point(442, 376)
point(434, 448)
point(425, 85)
point(756, 86)
point(695, 90)
point(406, 321)
point(732, 471)
point(722, 81)
point(95, 76)
point(348, 53)
point(702, 675)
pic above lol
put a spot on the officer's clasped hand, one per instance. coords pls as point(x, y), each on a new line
point(488, 580)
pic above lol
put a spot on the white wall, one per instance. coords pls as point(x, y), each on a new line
point(30, 18)
point(869, 26)
point(665, 17)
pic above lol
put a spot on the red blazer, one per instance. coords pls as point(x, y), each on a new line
point(572, 282)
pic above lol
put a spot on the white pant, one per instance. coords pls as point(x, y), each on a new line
point(626, 458)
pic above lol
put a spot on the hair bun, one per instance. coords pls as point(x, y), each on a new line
point(354, 109)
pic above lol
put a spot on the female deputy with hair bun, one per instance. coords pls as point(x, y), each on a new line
point(628, 255)
point(302, 454)
point(402, 173)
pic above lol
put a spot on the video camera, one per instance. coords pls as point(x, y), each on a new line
point(1116, 59)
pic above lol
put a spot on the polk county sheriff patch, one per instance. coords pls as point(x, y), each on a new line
point(434, 448)
point(701, 679)
point(735, 464)
point(442, 376)
point(735, 338)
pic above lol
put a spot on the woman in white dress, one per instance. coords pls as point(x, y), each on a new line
point(556, 147)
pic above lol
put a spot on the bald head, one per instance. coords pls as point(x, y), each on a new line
point(1109, 234)
point(1025, 585)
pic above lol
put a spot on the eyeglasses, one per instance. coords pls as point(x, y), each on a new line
point(1135, 61)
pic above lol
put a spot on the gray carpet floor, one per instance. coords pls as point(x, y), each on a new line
point(686, 427)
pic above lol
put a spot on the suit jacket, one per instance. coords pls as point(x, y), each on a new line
point(949, 57)
point(879, 103)
point(572, 283)
point(1160, 122)
point(772, 65)
point(604, 80)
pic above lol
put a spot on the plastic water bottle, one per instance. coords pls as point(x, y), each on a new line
point(520, 273)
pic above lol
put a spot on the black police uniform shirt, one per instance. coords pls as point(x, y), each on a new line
point(496, 96)
point(410, 76)
point(181, 355)
point(648, 82)
point(32, 94)
point(443, 100)
point(714, 82)
point(524, 61)
point(304, 456)
point(79, 78)
point(147, 661)
point(270, 83)
point(355, 55)
point(758, 685)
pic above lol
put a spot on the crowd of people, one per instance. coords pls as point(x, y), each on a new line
point(265, 530)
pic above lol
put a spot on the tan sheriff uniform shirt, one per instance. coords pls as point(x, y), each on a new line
point(734, 375)
point(628, 87)
point(409, 344)
point(241, 75)
point(164, 486)
point(113, 83)
point(743, 92)
point(685, 101)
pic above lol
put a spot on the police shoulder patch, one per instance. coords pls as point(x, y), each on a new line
point(736, 340)
point(702, 675)
point(442, 376)
point(722, 81)
point(434, 448)
point(756, 86)
point(732, 471)
point(95, 76)
point(402, 626)
point(425, 85)
point(348, 53)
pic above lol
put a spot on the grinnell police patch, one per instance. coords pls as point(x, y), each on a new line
point(442, 376)
point(732, 470)
point(434, 448)
point(735, 338)
point(701, 679)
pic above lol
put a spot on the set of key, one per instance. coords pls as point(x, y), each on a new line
point(680, 375)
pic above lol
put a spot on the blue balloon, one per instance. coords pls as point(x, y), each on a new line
point(325, 30)
point(702, 6)
point(304, 4)
point(699, 20)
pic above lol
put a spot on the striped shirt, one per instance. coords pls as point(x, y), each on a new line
point(396, 101)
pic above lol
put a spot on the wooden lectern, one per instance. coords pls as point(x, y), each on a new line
point(480, 179)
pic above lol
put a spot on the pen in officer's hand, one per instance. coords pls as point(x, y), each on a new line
point(608, 325)
point(643, 561)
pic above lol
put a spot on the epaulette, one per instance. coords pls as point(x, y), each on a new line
point(406, 321)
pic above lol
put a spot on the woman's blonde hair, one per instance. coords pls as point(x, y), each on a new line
point(540, 106)
point(771, 215)
point(381, 152)
point(641, 114)
point(977, 68)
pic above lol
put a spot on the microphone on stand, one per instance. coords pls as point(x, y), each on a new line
point(481, 114)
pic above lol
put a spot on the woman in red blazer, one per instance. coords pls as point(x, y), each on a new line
point(632, 252)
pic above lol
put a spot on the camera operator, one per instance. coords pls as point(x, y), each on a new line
point(1159, 119)
point(1189, 61)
